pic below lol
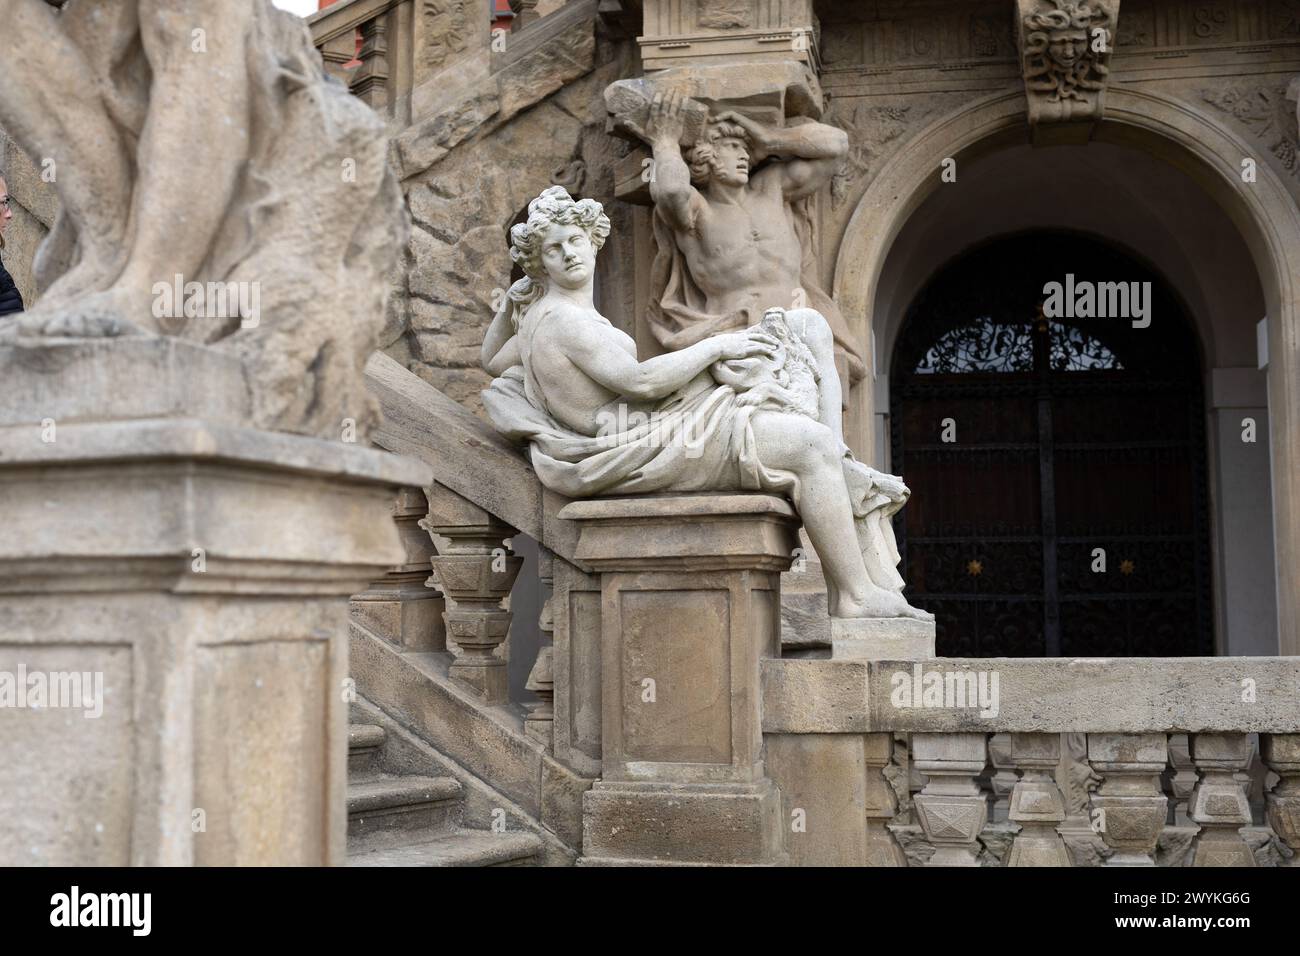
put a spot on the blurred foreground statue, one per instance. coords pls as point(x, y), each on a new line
point(214, 185)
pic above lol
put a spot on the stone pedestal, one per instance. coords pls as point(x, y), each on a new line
point(882, 639)
point(184, 585)
point(690, 605)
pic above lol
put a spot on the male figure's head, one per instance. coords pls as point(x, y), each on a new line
point(722, 154)
point(559, 242)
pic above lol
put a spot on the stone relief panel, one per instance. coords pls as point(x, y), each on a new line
point(726, 14)
point(871, 128)
point(665, 18)
point(897, 32)
point(916, 33)
point(1284, 19)
point(1264, 110)
point(447, 30)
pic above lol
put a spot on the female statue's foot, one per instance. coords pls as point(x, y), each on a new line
point(877, 603)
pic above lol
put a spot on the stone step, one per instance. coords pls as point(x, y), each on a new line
point(383, 808)
point(457, 848)
point(364, 743)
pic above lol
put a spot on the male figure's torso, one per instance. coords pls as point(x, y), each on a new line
point(745, 256)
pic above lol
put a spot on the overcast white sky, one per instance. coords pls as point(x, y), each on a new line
point(300, 7)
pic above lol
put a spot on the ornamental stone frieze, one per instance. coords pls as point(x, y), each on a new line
point(1065, 50)
point(691, 32)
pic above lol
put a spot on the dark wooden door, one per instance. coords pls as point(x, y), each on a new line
point(1057, 465)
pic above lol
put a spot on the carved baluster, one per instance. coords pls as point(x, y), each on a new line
point(1129, 807)
point(1037, 803)
point(540, 723)
point(1180, 777)
point(340, 55)
point(1219, 802)
point(1003, 778)
point(476, 572)
point(882, 847)
point(400, 607)
point(370, 82)
point(1282, 753)
point(951, 809)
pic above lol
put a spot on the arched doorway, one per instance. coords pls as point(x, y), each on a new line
point(1057, 464)
point(1200, 158)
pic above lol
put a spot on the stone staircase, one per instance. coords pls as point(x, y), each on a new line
point(409, 819)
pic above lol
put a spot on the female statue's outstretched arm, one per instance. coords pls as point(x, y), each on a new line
point(598, 351)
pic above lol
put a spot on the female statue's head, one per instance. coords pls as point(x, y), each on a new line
point(560, 239)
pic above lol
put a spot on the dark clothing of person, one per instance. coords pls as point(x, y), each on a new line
point(10, 300)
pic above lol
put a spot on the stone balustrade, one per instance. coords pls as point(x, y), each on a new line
point(1137, 716)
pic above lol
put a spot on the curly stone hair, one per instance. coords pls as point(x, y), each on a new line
point(554, 207)
point(702, 159)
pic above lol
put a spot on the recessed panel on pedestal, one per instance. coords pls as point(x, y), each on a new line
point(67, 755)
point(263, 794)
point(679, 641)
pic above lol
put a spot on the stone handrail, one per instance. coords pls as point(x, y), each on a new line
point(1038, 761)
point(466, 454)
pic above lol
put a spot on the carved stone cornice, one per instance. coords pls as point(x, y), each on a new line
point(1065, 50)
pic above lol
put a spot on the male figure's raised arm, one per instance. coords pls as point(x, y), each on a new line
point(670, 177)
point(810, 153)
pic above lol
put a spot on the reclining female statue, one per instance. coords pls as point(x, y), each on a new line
point(739, 411)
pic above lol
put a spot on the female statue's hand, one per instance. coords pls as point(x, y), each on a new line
point(743, 345)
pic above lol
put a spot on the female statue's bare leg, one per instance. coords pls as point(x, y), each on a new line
point(810, 450)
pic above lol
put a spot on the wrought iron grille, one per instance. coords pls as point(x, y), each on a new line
point(1057, 464)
